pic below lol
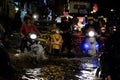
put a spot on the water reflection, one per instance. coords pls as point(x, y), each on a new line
point(74, 69)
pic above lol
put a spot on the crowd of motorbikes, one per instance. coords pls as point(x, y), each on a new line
point(88, 44)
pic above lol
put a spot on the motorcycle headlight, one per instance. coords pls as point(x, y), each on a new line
point(91, 33)
point(35, 16)
point(75, 28)
point(33, 36)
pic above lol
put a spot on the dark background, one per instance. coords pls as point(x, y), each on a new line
point(107, 4)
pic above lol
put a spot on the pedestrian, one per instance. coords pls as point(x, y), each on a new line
point(26, 28)
point(65, 27)
point(56, 42)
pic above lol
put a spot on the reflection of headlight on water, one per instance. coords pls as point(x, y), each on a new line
point(87, 75)
point(33, 74)
point(17, 55)
point(90, 67)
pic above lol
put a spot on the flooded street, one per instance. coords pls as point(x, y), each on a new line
point(53, 68)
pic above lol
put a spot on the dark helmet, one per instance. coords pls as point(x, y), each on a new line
point(27, 17)
point(91, 21)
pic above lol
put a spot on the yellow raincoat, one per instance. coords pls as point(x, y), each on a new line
point(56, 41)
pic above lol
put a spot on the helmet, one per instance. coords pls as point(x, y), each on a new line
point(91, 21)
point(27, 17)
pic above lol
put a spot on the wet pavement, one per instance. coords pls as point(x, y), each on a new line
point(53, 68)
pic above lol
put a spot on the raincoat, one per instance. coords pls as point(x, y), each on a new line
point(56, 41)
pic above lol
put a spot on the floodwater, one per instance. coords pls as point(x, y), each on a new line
point(53, 68)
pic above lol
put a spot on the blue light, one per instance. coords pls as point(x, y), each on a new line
point(86, 46)
point(95, 63)
point(97, 46)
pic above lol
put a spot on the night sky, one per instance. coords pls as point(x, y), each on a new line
point(108, 4)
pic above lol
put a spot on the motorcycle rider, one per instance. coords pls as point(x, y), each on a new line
point(93, 24)
point(92, 27)
point(26, 28)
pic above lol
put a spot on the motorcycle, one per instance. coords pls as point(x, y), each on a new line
point(91, 43)
point(32, 39)
point(44, 40)
point(91, 56)
point(34, 46)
